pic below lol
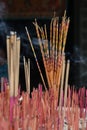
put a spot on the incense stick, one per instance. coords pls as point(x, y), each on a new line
point(45, 58)
point(12, 66)
point(65, 31)
point(35, 58)
point(66, 83)
point(14, 59)
point(2, 84)
point(51, 34)
point(17, 65)
point(8, 55)
point(62, 82)
point(27, 74)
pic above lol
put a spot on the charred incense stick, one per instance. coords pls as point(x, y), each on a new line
point(35, 58)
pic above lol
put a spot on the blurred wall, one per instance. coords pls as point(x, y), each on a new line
point(31, 8)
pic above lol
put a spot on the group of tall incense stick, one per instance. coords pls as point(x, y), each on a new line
point(13, 56)
point(52, 51)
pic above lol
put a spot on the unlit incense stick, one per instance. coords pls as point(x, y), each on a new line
point(8, 55)
point(66, 82)
point(27, 74)
point(17, 65)
point(12, 65)
point(35, 58)
point(62, 82)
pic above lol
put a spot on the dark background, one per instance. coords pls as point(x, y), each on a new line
point(76, 42)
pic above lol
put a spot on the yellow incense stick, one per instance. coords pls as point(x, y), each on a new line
point(62, 82)
point(17, 65)
point(27, 74)
point(65, 31)
point(66, 82)
point(12, 66)
point(51, 33)
point(45, 60)
point(8, 55)
point(14, 59)
point(57, 31)
point(54, 43)
point(61, 32)
point(35, 58)
point(54, 32)
point(46, 40)
point(25, 71)
point(67, 22)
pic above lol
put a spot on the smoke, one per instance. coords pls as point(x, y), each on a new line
point(78, 56)
point(3, 28)
point(78, 68)
point(3, 14)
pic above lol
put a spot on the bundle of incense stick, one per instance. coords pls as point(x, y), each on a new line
point(41, 111)
point(13, 56)
point(53, 51)
point(27, 74)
